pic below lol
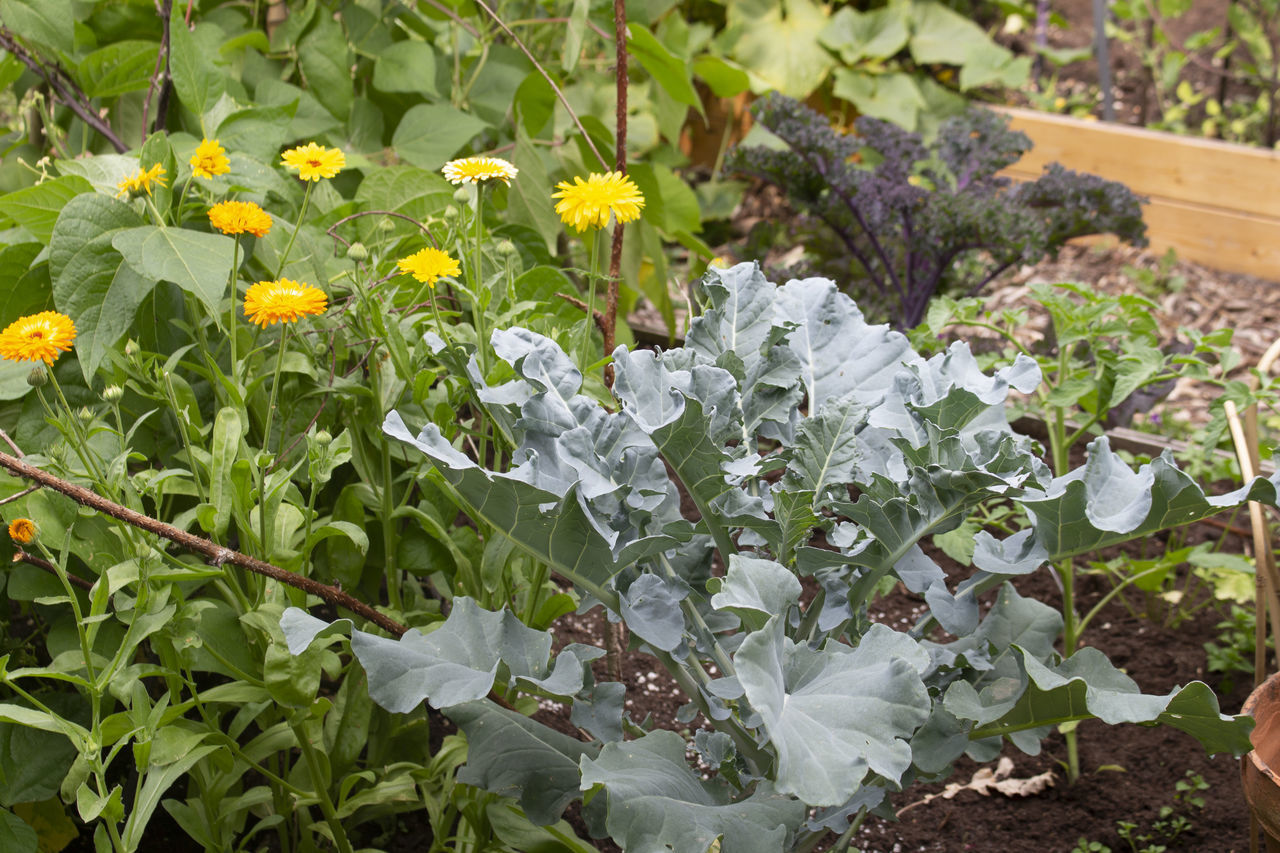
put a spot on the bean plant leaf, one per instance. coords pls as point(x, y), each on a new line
point(430, 134)
point(657, 803)
point(37, 208)
point(835, 714)
point(90, 281)
point(198, 263)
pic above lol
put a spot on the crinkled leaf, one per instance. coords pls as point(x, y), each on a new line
point(761, 587)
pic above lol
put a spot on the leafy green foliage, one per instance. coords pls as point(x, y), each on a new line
point(814, 705)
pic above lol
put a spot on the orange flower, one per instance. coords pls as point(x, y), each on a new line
point(22, 530)
point(240, 217)
point(270, 302)
point(37, 337)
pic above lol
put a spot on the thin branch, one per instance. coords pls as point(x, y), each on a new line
point(64, 87)
point(601, 320)
point(21, 556)
point(215, 555)
point(550, 82)
point(333, 229)
point(19, 496)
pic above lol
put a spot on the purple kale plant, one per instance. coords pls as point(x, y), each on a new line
point(914, 220)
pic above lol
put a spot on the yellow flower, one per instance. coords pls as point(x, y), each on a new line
point(141, 181)
point(428, 265)
point(22, 530)
point(210, 160)
point(239, 217)
point(314, 162)
point(270, 302)
point(588, 204)
point(37, 337)
point(472, 170)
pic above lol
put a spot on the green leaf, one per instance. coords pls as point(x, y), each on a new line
point(123, 66)
point(430, 134)
point(943, 37)
point(15, 835)
point(512, 755)
point(23, 289)
point(780, 48)
point(324, 59)
point(33, 763)
point(657, 803)
point(529, 197)
point(197, 81)
point(49, 23)
point(406, 66)
point(724, 80)
point(91, 284)
point(36, 208)
point(669, 202)
point(671, 72)
point(835, 714)
point(198, 263)
point(893, 96)
point(155, 783)
point(877, 34)
point(228, 430)
point(259, 132)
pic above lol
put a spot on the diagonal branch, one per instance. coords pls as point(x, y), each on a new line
point(64, 87)
point(215, 554)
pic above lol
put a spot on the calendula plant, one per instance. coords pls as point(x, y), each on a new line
point(819, 451)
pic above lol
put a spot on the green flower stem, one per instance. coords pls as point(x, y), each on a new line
point(61, 571)
point(722, 659)
point(322, 792)
point(182, 198)
point(231, 310)
point(302, 213)
point(182, 434)
point(83, 450)
point(477, 283)
point(592, 273)
point(264, 535)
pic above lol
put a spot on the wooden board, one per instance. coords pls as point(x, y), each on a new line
point(1213, 202)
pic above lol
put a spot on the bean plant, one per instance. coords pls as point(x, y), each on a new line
point(819, 451)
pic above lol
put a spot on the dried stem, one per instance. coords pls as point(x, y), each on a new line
point(21, 556)
point(620, 165)
point(61, 85)
point(215, 554)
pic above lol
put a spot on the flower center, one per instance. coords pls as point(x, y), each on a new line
point(315, 164)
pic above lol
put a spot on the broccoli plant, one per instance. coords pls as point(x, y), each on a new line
point(819, 450)
point(911, 219)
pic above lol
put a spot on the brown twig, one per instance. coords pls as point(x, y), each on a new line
point(595, 312)
point(64, 88)
point(333, 229)
point(21, 556)
point(215, 555)
point(620, 165)
point(19, 496)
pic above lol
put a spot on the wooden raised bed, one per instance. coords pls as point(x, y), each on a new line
point(1215, 203)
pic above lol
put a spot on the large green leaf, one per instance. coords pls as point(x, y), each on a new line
point(671, 72)
point(430, 134)
point(197, 262)
point(15, 835)
point(49, 23)
point(406, 66)
point(779, 45)
point(123, 66)
point(91, 283)
point(835, 714)
point(657, 803)
point(196, 79)
point(324, 59)
point(877, 34)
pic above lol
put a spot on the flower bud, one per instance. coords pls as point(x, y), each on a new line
point(450, 215)
point(387, 226)
point(462, 195)
point(357, 252)
point(85, 414)
point(37, 377)
point(131, 348)
point(112, 393)
point(323, 438)
point(507, 249)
